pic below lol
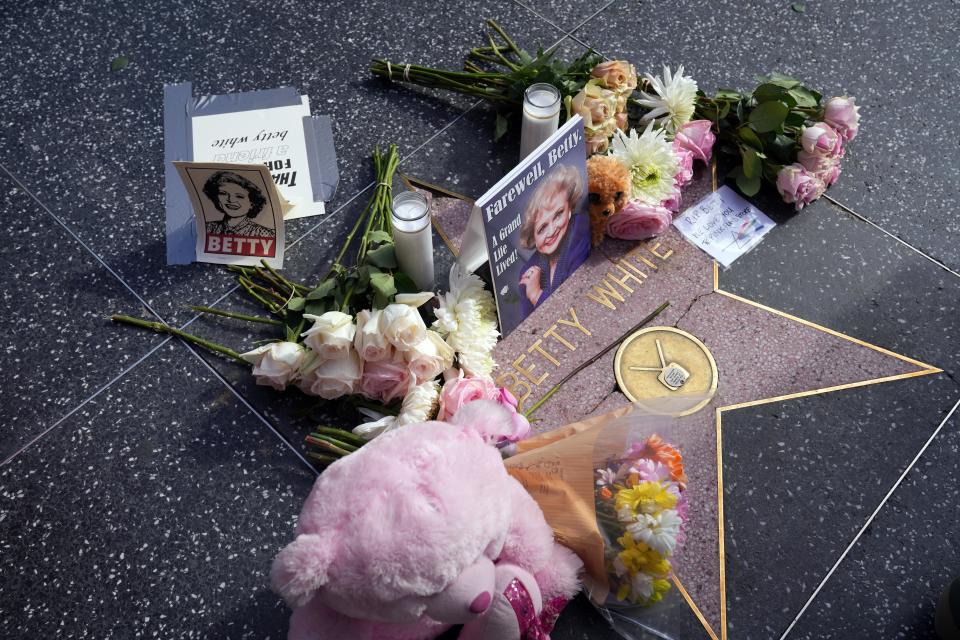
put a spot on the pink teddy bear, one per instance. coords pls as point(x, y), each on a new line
point(420, 530)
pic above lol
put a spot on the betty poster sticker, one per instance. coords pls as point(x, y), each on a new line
point(238, 210)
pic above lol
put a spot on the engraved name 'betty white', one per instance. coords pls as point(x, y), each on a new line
point(520, 385)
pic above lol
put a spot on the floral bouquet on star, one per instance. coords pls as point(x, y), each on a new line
point(655, 126)
point(615, 490)
point(366, 334)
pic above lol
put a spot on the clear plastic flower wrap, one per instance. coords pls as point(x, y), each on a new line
point(634, 494)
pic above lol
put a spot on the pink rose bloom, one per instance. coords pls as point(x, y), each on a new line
point(460, 391)
point(843, 115)
point(618, 75)
point(521, 426)
point(827, 169)
point(822, 140)
point(386, 380)
point(799, 186)
point(639, 221)
point(685, 162)
point(674, 201)
point(697, 137)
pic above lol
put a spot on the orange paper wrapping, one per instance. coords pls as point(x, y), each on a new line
point(557, 469)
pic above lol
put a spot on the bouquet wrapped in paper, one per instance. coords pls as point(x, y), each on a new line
point(615, 489)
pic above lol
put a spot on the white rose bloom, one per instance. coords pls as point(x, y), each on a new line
point(331, 335)
point(369, 340)
point(276, 364)
point(331, 378)
point(429, 357)
point(403, 326)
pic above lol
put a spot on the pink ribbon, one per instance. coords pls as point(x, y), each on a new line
point(532, 626)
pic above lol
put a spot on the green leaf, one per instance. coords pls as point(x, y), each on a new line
point(784, 81)
point(379, 235)
point(768, 116)
point(782, 148)
point(500, 128)
point(383, 256)
point(802, 97)
point(768, 91)
point(296, 304)
point(404, 283)
point(315, 307)
point(752, 166)
point(120, 62)
point(382, 284)
point(747, 135)
point(727, 94)
point(747, 186)
point(322, 290)
point(799, 7)
point(795, 119)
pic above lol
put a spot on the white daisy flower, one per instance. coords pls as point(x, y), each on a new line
point(467, 319)
point(659, 531)
point(673, 104)
point(651, 160)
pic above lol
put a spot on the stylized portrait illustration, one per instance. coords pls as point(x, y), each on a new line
point(240, 201)
point(557, 231)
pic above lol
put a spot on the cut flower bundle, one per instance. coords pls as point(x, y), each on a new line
point(641, 505)
point(361, 334)
point(782, 132)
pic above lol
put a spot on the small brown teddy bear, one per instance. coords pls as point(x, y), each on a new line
point(609, 192)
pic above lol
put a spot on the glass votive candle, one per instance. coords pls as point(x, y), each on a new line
point(541, 116)
point(413, 238)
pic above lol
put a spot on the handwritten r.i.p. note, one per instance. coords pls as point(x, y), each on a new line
point(724, 225)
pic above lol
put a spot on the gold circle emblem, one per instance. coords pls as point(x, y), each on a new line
point(659, 362)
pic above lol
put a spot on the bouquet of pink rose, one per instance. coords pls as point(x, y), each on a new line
point(785, 134)
point(360, 333)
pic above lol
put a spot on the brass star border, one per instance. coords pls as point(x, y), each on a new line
point(922, 370)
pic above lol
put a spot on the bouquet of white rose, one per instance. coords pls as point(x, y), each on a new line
point(361, 332)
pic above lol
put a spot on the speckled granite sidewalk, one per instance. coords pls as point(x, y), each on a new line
point(145, 486)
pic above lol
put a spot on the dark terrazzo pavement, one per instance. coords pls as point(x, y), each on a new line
point(152, 508)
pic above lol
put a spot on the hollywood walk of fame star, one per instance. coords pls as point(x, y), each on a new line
point(761, 355)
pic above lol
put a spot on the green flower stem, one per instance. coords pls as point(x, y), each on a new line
point(503, 34)
point(329, 447)
point(231, 314)
point(342, 435)
point(274, 284)
point(281, 301)
point(271, 307)
point(504, 60)
point(589, 362)
point(322, 458)
point(296, 286)
point(314, 437)
point(159, 327)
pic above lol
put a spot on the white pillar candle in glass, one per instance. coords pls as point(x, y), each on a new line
point(541, 116)
point(410, 217)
